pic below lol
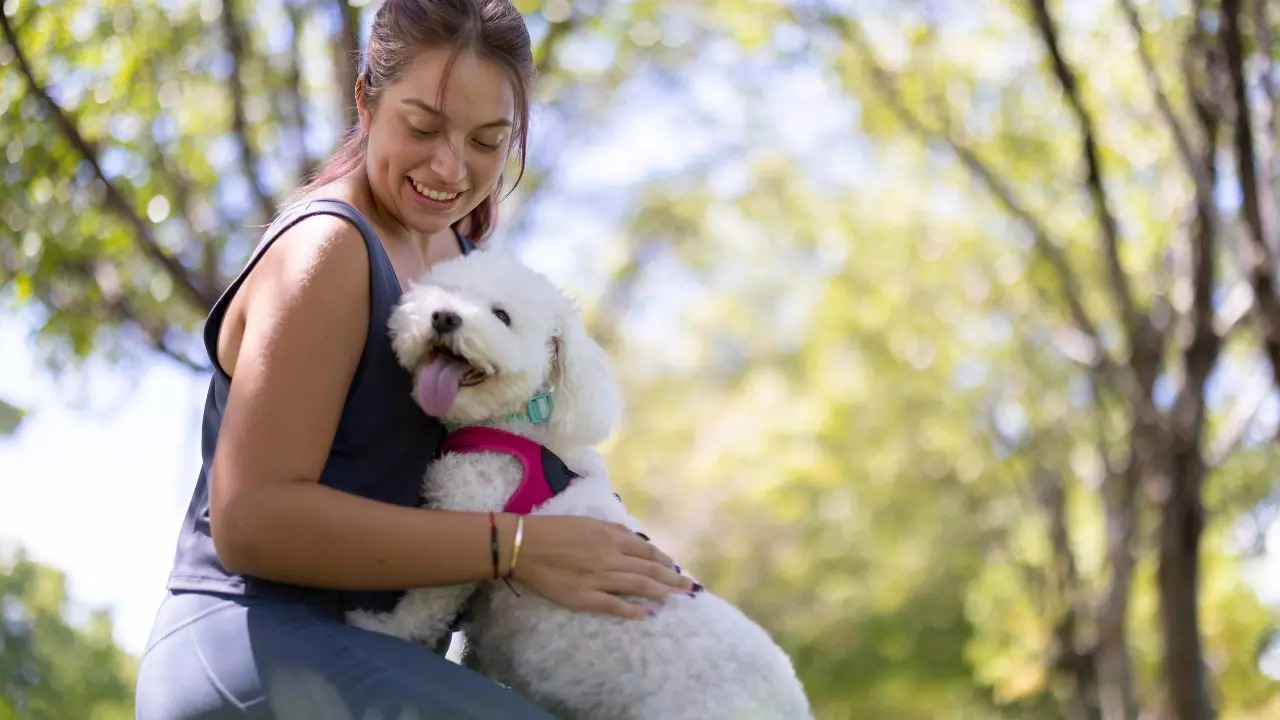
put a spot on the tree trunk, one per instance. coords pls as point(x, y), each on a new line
point(1115, 675)
point(1179, 618)
point(1178, 574)
point(1079, 667)
point(1116, 698)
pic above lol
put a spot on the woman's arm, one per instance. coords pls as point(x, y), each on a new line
point(302, 317)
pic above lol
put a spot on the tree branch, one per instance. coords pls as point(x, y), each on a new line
point(239, 124)
point(1002, 192)
point(535, 182)
point(1270, 120)
point(1119, 499)
point(1233, 309)
point(346, 48)
point(1258, 258)
point(297, 102)
point(1068, 658)
point(605, 319)
point(180, 185)
point(1102, 436)
point(1181, 140)
point(1067, 603)
point(10, 418)
point(1239, 417)
point(1267, 72)
point(1200, 351)
point(120, 310)
point(1118, 277)
point(556, 34)
point(32, 10)
point(115, 200)
point(159, 341)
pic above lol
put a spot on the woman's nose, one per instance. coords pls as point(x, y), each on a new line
point(447, 163)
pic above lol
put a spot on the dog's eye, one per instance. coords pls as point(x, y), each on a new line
point(503, 316)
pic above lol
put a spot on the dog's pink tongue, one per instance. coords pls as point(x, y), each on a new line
point(438, 385)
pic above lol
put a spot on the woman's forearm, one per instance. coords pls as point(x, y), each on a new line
point(305, 533)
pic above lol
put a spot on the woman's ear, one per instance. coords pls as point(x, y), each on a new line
point(587, 401)
point(362, 107)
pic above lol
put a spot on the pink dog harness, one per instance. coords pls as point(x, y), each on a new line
point(545, 474)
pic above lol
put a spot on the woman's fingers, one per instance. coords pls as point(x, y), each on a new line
point(603, 602)
point(638, 546)
point(662, 575)
point(636, 584)
point(597, 566)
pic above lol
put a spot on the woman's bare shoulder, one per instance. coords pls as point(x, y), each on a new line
point(317, 268)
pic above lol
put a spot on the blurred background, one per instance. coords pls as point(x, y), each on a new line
point(949, 327)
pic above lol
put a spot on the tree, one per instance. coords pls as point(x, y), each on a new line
point(1179, 303)
point(50, 668)
point(962, 393)
point(156, 160)
point(1105, 423)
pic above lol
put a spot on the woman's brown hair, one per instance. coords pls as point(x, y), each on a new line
point(402, 29)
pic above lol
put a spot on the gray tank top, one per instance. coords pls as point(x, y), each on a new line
point(380, 450)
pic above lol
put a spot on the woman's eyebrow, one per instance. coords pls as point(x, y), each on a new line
point(423, 105)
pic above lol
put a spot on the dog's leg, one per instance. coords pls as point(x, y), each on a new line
point(423, 615)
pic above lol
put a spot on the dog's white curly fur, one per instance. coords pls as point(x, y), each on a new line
point(697, 657)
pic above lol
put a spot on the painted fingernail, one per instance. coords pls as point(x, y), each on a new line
point(697, 587)
point(642, 536)
point(649, 612)
point(692, 594)
point(677, 567)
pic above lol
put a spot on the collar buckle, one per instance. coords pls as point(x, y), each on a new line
point(538, 409)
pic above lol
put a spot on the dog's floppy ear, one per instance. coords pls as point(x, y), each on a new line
point(410, 325)
point(587, 402)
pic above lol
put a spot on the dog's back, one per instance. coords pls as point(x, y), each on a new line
point(696, 657)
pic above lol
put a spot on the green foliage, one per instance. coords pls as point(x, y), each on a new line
point(49, 668)
point(10, 418)
point(864, 387)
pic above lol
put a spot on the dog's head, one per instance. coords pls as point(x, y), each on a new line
point(483, 333)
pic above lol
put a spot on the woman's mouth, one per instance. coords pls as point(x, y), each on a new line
point(432, 197)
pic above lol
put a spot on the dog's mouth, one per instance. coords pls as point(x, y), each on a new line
point(471, 375)
point(441, 375)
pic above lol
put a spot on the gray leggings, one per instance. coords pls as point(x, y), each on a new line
point(212, 657)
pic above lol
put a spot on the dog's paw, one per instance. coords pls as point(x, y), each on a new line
point(384, 623)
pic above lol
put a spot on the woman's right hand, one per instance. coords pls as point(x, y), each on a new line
point(586, 564)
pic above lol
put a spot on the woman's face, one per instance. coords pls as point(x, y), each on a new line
point(429, 165)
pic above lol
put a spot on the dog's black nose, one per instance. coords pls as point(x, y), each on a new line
point(445, 321)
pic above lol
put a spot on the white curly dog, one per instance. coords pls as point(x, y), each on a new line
point(484, 335)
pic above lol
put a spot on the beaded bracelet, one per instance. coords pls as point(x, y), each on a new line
point(493, 544)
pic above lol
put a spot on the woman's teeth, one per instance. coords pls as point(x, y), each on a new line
point(433, 194)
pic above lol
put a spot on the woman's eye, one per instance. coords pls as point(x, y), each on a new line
point(421, 133)
point(489, 147)
point(503, 316)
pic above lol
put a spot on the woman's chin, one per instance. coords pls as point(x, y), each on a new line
point(428, 223)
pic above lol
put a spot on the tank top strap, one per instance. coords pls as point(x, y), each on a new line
point(465, 244)
point(379, 264)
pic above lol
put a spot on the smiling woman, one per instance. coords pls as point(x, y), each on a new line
point(432, 158)
point(459, 93)
point(306, 503)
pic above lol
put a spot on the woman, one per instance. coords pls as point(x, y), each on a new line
point(313, 454)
